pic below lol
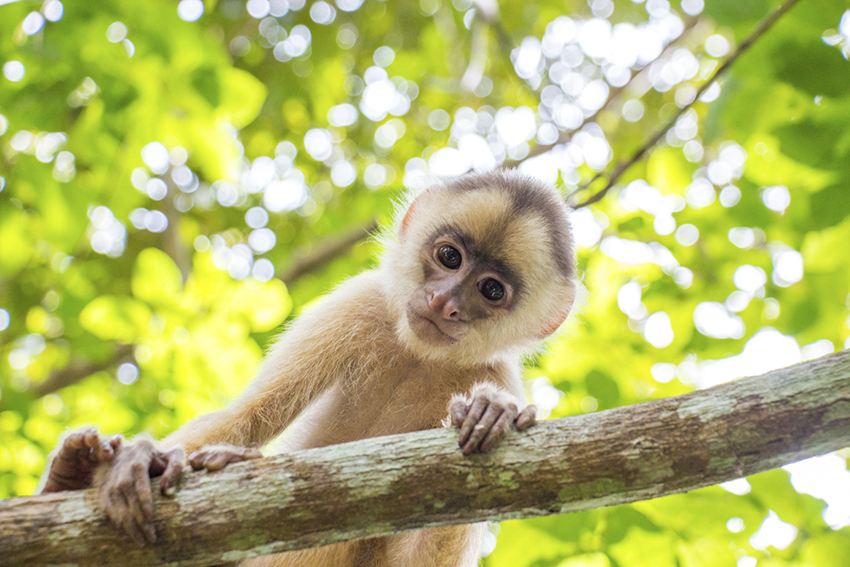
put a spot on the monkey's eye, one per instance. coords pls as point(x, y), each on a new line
point(449, 257)
point(492, 290)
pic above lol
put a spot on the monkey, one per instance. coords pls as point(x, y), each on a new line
point(476, 272)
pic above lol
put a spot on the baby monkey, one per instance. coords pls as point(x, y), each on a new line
point(476, 272)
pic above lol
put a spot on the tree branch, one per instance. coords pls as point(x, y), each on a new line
point(389, 485)
point(622, 167)
point(325, 253)
point(77, 370)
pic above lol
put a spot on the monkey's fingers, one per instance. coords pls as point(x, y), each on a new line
point(216, 458)
point(250, 453)
point(158, 464)
point(499, 429)
point(75, 461)
point(196, 460)
point(479, 405)
point(482, 428)
point(72, 450)
point(527, 417)
point(99, 448)
point(175, 461)
point(118, 510)
point(103, 453)
point(90, 437)
point(78, 445)
point(74, 441)
point(87, 444)
point(137, 492)
point(457, 412)
point(217, 461)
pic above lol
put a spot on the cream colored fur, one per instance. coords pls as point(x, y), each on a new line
point(351, 368)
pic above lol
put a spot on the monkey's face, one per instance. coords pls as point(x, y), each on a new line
point(460, 285)
point(483, 266)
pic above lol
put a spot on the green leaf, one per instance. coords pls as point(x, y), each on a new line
point(810, 143)
point(264, 306)
point(732, 13)
point(604, 388)
point(773, 491)
point(116, 318)
point(827, 549)
point(706, 552)
point(513, 549)
point(587, 560)
point(645, 549)
point(812, 67)
point(156, 278)
point(242, 96)
point(205, 81)
point(830, 206)
point(16, 247)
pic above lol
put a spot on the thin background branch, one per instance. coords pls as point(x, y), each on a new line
point(622, 167)
point(327, 251)
point(77, 370)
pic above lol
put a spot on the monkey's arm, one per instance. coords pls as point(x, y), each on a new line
point(305, 362)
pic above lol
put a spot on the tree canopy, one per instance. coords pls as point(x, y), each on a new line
point(180, 178)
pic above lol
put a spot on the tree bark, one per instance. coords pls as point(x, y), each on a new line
point(391, 484)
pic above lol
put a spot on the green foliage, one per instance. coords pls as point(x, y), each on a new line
point(156, 173)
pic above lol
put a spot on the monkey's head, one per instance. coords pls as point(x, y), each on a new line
point(483, 266)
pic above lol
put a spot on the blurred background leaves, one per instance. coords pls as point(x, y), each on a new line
point(180, 178)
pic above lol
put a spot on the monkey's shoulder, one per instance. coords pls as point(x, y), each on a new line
point(357, 309)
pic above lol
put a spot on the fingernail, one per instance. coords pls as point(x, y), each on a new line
point(170, 490)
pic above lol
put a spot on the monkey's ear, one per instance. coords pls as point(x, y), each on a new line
point(408, 217)
point(574, 298)
point(555, 323)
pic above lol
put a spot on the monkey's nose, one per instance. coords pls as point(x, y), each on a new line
point(444, 304)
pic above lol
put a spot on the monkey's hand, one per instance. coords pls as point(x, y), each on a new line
point(125, 487)
point(215, 457)
point(485, 415)
point(74, 463)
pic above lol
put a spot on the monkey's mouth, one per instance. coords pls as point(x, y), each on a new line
point(428, 330)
